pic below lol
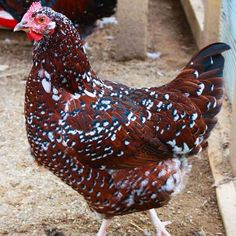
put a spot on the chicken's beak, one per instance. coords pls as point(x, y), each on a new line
point(21, 26)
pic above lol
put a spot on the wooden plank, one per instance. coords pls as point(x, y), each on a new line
point(211, 30)
point(226, 197)
point(225, 185)
point(225, 193)
point(204, 19)
point(131, 36)
point(193, 10)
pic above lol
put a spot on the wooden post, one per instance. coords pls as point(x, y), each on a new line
point(194, 11)
point(211, 30)
point(131, 37)
point(204, 19)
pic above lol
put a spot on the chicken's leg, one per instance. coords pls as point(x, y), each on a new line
point(103, 229)
point(160, 226)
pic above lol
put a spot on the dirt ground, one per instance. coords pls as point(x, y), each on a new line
point(35, 202)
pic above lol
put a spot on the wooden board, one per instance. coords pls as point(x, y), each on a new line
point(131, 36)
point(225, 185)
point(226, 197)
point(204, 19)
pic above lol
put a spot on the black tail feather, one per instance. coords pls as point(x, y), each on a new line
point(208, 65)
point(202, 81)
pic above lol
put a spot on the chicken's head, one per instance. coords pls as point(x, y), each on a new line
point(36, 23)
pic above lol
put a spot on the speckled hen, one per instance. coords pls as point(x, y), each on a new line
point(123, 149)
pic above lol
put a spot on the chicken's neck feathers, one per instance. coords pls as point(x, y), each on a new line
point(63, 57)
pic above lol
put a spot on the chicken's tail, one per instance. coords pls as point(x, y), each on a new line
point(202, 81)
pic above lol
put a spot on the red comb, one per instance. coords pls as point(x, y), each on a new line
point(35, 6)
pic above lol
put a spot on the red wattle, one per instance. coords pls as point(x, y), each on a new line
point(34, 36)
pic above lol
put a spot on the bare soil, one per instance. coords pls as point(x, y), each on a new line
point(35, 202)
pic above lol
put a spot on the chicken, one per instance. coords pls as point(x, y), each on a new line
point(82, 12)
point(124, 149)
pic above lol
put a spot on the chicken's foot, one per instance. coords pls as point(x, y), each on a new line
point(105, 225)
point(159, 226)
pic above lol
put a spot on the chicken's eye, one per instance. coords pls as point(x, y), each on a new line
point(41, 20)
